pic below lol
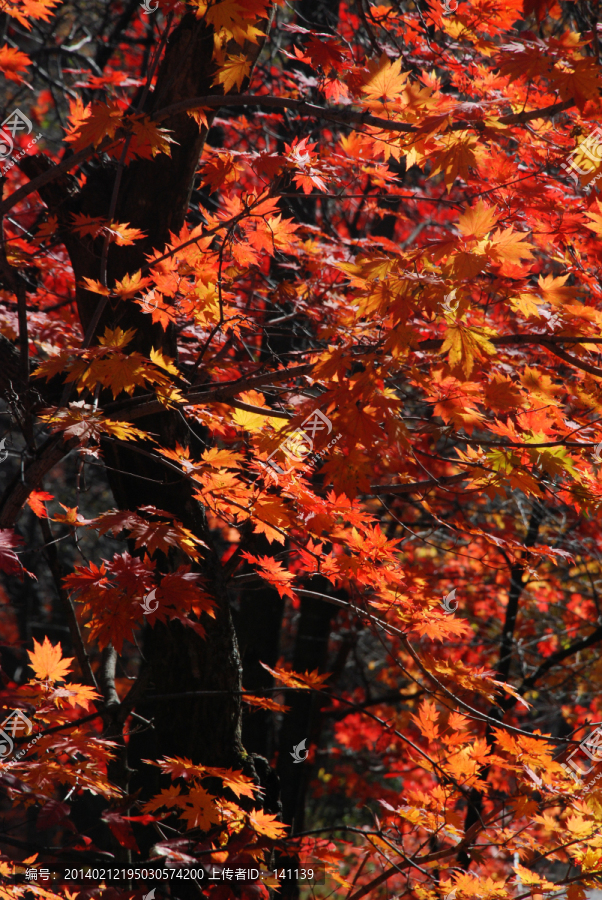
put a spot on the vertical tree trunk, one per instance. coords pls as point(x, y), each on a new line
point(154, 196)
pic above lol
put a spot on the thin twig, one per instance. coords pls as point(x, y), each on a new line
point(51, 553)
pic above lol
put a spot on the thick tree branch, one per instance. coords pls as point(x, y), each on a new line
point(516, 589)
point(106, 676)
point(212, 101)
point(559, 656)
point(412, 487)
point(572, 361)
point(346, 116)
point(145, 405)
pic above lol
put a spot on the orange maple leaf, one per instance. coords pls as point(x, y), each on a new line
point(509, 245)
point(199, 810)
point(75, 695)
point(35, 501)
point(94, 226)
point(267, 824)
point(239, 784)
point(148, 140)
point(92, 124)
point(265, 703)
point(478, 221)
point(273, 572)
point(33, 9)
point(272, 518)
point(306, 680)
point(47, 661)
point(12, 62)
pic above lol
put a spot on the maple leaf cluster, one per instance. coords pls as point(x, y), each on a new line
point(236, 222)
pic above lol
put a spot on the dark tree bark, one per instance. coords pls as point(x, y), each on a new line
point(299, 723)
point(153, 196)
point(258, 624)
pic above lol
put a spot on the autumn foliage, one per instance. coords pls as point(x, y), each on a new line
point(300, 327)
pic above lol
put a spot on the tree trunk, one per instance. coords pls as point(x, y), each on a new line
point(154, 196)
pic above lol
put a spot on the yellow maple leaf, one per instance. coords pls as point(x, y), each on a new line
point(270, 515)
point(233, 72)
point(163, 361)
point(117, 337)
point(525, 304)
point(554, 290)
point(219, 458)
point(130, 285)
point(167, 394)
point(464, 344)
point(248, 420)
point(459, 153)
point(509, 245)
point(47, 661)
point(478, 221)
point(386, 81)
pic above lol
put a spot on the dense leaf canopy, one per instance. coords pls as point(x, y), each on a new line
point(300, 327)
